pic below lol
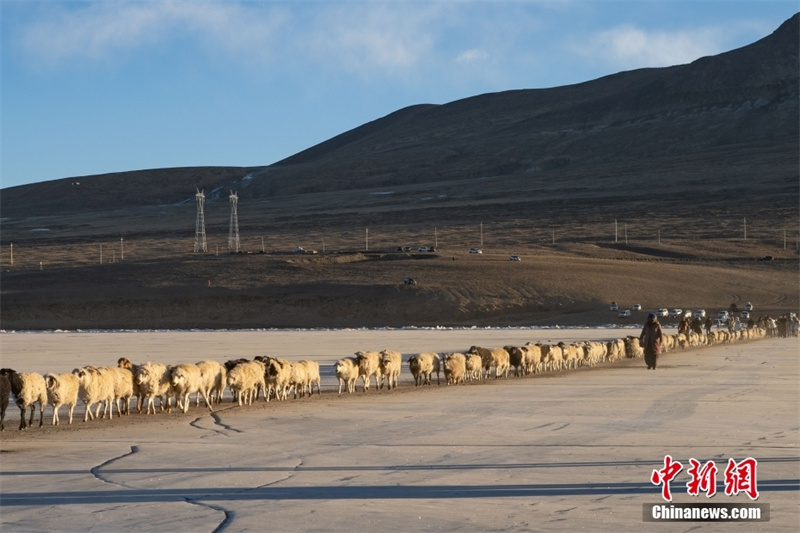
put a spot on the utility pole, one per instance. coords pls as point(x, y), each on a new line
point(233, 227)
point(200, 224)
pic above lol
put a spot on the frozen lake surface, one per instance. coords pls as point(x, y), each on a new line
point(566, 452)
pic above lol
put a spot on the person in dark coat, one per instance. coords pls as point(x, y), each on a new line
point(651, 338)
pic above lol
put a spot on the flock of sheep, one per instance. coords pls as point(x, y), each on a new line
point(270, 377)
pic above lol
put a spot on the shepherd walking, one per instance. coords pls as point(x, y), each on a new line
point(651, 338)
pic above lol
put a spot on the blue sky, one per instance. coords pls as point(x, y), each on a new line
point(96, 87)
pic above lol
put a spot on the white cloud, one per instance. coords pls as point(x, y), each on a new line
point(630, 47)
point(471, 56)
point(359, 38)
point(365, 38)
point(101, 31)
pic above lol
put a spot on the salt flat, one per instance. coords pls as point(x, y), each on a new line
point(566, 452)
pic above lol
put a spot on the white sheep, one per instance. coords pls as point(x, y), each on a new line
point(569, 355)
point(533, 357)
point(246, 379)
point(214, 380)
point(596, 352)
point(28, 389)
point(187, 379)
point(313, 377)
point(422, 365)
point(123, 387)
point(552, 357)
point(369, 364)
point(124, 362)
point(496, 358)
point(474, 366)
point(311, 371)
point(97, 386)
point(298, 378)
point(390, 367)
point(154, 381)
point(455, 366)
point(633, 348)
point(62, 389)
point(278, 378)
point(347, 373)
point(615, 349)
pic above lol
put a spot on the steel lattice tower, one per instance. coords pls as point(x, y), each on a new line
point(200, 224)
point(233, 228)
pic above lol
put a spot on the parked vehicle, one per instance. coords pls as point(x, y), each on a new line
point(676, 313)
point(613, 306)
point(637, 307)
point(475, 251)
point(662, 312)
point(515, 258)
point(700, 313)
point(625, 314)
point(748, 306)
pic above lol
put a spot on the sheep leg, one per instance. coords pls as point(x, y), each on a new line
point(23, 414)
point(55, 414)
point(205, 397)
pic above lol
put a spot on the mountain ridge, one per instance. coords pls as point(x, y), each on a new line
point(746, 96)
